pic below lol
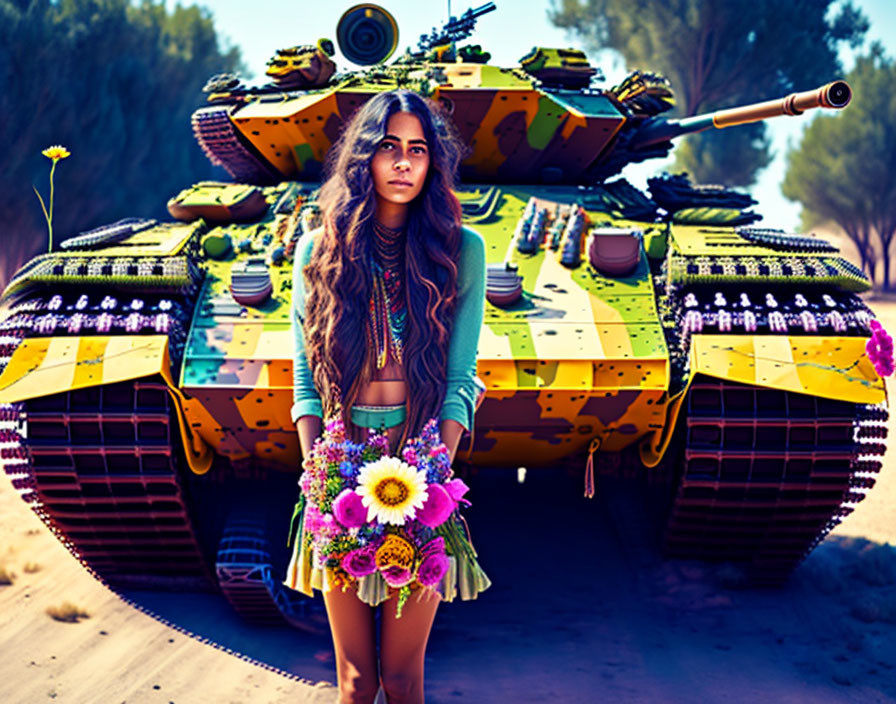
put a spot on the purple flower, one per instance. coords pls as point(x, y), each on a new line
point(353, 452)
point(432, 569)
point(359, 563)
point(456, 489)
point(396, 576)
point(378, 442)
point(349, 509)
point(409, 455)
point(437, 508)
point(433, 546)
point(347, 469)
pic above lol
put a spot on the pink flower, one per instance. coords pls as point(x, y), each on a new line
point(409, 455)
point(432, 569)
point(333, 453)
point(359, 563)
point(396, 576)
point(456, 489)
point(879, 349)
point(437, 508)
point(349, 509)
point(328, 526)
point(312, 518)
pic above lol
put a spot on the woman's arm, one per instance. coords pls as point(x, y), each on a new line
point(450, 431)
point(462, 385)
point(306, 409)
point(308, 428)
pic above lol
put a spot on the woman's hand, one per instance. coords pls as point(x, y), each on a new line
point(451, 430)
point(308, 428)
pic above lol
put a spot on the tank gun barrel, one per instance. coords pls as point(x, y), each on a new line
point(456, 28)
point(835, 95)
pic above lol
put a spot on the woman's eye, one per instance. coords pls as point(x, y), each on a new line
point(386, 145)
point(418, 150)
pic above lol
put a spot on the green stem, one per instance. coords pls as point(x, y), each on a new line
point(50, 219)
point(42, 206)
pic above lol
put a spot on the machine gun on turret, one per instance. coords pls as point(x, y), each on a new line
point(455, 29)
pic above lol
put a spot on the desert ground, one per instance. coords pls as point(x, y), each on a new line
point(583, 608)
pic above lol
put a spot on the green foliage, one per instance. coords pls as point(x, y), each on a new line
point(731, 156)
point(842, 170)
point(720, 54)
point(116, 84)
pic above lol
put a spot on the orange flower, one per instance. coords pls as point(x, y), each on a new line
point(395, 552)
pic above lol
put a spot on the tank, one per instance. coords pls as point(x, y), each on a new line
point(658, 336)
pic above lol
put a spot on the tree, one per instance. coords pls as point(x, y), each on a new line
point(720, 53)
point(114, 82)
point(842, 170)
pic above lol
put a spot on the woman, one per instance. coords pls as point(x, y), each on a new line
point(389, 297)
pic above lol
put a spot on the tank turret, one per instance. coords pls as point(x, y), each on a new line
point(538, 122)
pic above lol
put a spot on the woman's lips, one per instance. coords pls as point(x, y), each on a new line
point(400, 183)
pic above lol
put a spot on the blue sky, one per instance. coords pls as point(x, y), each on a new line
point(262, 26)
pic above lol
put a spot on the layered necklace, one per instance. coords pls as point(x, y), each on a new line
point(388, 308)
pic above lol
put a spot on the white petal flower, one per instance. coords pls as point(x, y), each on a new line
point(391, 490)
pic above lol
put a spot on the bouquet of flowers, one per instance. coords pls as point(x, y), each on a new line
point(367, 511)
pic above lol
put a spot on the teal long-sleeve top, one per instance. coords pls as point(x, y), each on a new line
point(462, 384)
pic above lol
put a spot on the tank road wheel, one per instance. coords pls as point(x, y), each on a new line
point(766, 474)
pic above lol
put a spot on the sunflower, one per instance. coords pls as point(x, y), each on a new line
point(391, 490)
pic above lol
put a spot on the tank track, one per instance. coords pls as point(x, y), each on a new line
point(105, 464)
point(766, 474)
point(102, 465)
point(222, 145)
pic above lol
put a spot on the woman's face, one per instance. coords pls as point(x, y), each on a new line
point(401, 161)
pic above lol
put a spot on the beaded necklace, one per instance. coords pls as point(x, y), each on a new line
point(388, 308)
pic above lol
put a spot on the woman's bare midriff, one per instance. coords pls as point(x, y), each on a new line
point(388, 388)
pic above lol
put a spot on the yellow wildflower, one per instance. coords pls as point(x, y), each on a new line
point(56, 152)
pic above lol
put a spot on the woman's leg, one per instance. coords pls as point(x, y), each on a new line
point(403, 647)
point(354, 640)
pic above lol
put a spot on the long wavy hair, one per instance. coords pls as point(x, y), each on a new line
point(339, 281)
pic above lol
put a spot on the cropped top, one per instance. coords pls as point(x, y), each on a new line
point(462, 386)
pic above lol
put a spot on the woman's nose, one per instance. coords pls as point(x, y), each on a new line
point(402, 163)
